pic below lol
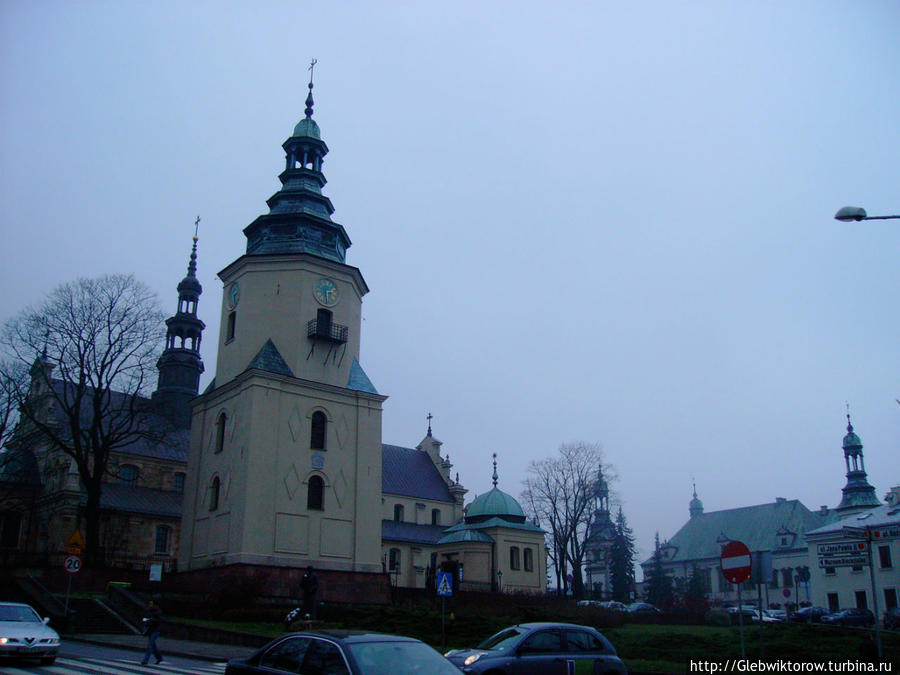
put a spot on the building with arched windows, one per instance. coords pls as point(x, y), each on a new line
point(783, 536)
point(41, 496)
point(290, 429)
point(280, 463)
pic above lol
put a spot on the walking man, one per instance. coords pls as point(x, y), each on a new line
point(152, 623)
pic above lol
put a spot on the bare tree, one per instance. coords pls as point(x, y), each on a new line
point(92, 347)
point(560, 493)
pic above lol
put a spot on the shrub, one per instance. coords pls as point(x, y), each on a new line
point(718, 617)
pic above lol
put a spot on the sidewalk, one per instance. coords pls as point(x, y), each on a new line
point(206, 651)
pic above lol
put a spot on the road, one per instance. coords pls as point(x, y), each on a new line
point(83, 659)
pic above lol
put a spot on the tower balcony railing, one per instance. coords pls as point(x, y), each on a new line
point(327, 331)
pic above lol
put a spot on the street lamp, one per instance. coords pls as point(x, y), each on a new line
point(849, 214)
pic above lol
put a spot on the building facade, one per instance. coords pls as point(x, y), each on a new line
point(783, 537)
point(42, 497)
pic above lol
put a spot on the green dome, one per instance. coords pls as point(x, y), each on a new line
point(495, 503)
point(307, 127)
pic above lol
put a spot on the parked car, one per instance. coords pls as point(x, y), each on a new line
point(343, 653)
point(541, 649)
point(613, 605)
point(779, 614)
point(766, 616)
point(643, 608)
point(812, 614)
point(892, 619)
point(24, 635)
point(850, 617)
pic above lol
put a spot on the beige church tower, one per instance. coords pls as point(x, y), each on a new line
point(285, 466)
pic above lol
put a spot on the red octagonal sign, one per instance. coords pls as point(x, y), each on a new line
point(735, 562)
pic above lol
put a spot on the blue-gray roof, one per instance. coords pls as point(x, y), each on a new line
point(410, 532)
point(464, 536)
point(358, 380)
point(411, 473)
point(143, 500)
point(494, 522)
point(887, 515)
point(703, 536)
point(269, 359)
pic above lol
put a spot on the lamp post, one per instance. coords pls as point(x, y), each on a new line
point(500, 580)
point(849, 214)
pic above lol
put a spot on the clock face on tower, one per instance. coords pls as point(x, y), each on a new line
point(326, 292)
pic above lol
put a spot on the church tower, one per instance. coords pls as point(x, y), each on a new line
point(180, 365)
point(285, 460)
point(858, 494)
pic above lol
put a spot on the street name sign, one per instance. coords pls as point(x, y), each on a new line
point(886, 532)
point(736, 562)
point(855, 532)
point(842, 554)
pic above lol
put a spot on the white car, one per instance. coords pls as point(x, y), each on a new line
point(24, 635)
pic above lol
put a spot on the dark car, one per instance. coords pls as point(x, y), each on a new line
point(541, 649)
point(892, 618)
point(808, 614)
point(642, 608)
point(343, 653)
point(850, 617)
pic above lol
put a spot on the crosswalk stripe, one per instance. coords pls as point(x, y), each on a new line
point(95, 666)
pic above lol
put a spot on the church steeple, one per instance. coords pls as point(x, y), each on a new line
point(696, 506)
point(299, 218)
point(858, 494)
point(180, 365)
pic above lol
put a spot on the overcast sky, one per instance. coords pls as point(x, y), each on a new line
point(600, 221)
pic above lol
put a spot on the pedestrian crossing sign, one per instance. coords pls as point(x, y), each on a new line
point(444, 583)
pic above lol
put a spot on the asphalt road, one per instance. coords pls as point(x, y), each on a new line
point(85, 659)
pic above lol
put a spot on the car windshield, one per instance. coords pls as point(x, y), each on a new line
point(18, 613)
point(400, 658)
point(502, 640)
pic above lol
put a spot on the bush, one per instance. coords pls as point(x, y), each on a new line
point(717, 617)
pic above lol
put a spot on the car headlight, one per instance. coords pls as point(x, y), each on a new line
point(472, 659)
point(3, 640)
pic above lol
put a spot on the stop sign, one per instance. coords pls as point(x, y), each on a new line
point(735, 562)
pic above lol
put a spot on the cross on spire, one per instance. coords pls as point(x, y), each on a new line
point(309, 97)
point(196, 227)
point(495, 470)
point(429, 417)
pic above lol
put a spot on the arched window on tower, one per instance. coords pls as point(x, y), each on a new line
point(315, 494)
point(318, 428)
point(435, 516)
point(128, 474)
point(221, 420)
point(528, 559)
point(214, 494)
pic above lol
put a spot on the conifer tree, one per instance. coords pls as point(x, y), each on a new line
point(659, 584)
point(622, 560)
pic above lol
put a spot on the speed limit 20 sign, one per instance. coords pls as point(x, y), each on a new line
point(72, 564)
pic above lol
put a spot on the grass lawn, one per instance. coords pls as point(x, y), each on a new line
point(644, 647)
